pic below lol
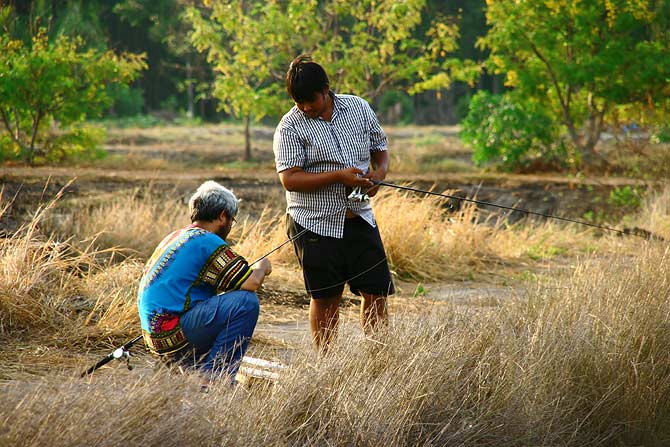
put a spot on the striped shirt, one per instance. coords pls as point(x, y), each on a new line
point(316, 146)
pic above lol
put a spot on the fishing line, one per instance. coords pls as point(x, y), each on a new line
point(124, 351)
point(511, 208)
point(349, 279)
point(448, 196)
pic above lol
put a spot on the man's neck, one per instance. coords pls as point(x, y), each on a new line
point(330, 102)
point(209, 226)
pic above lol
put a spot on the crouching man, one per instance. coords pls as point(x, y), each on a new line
point(196, 298)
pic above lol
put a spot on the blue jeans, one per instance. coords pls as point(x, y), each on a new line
point(219, 330)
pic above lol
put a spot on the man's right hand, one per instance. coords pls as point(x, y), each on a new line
point(266, 266)
point(295, 179)
point(353, 177)
point(258, 274)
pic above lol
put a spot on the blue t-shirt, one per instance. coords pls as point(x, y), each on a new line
point(188, 266)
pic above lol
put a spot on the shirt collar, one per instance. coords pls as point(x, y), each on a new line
point(338, 105)
point(337, 102)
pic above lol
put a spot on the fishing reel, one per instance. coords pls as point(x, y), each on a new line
point(357, 195)
point(122, 353)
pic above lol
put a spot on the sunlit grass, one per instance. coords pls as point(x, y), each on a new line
point(654, 215)
point(579, 358)
point(132, 222)
point(581, 361)
point(424, 239)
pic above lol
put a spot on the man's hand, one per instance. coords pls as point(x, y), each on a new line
point(353, 177)
point(258, 274)
point(295, 179)
point(380, 164)
point(265, 265)
point(377, 175)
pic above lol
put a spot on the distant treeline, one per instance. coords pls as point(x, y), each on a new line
point(178, 78)
point(533, 83)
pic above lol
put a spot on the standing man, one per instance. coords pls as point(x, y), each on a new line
point(197, 293)
point(324, 146)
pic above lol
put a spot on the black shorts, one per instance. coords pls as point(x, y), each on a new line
point(328, 263)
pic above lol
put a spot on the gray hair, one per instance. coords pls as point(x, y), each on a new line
point(209, 200)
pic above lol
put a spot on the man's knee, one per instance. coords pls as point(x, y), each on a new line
point(249, 302)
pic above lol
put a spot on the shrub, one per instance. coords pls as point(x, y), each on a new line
point(504, 131)
point(127, 101)
point(49, 80)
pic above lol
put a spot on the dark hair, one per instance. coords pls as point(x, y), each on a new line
point(305, 78)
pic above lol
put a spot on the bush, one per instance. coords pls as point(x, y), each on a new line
point(505, 131)
point(625, 197)
point(127, 101)
point(80, 143)
point(662, 135)
point(55, 80)
point(9, 149)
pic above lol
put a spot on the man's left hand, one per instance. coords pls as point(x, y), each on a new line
point(377, 175)
point(379, 164)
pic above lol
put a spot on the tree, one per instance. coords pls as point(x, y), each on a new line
point(367, 46)
point(584, 59)
point(53, 79)
point(165, 24)
point(248, 44)
point(374, 45)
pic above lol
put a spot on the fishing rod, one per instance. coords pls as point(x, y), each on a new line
point(511, 208)
point(118, 353)
point(360, 195)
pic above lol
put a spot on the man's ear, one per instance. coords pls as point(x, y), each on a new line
point(223, 215)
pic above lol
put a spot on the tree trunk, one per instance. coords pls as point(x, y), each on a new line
point(31, 148)
point(189, 87)
point(497, 85)
point(247, 138)
point(14, 136)
point(594, 131)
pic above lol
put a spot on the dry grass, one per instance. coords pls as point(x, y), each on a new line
point(654, 215)
point(413, 149)
point(132, 222)
point(578, 360)
point(113, 293)
point(584, 362)
point(37, 275)
point(416, 150)
point(424, 239)
point(50, 287)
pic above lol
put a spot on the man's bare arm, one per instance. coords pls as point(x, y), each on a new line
point(296, 179)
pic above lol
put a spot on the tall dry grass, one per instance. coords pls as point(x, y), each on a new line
point(132, 222)
point(579, 361)
point(33, 272)
point(50, 287)
point(583, 362)
point(423, 239)
point(654, 215)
